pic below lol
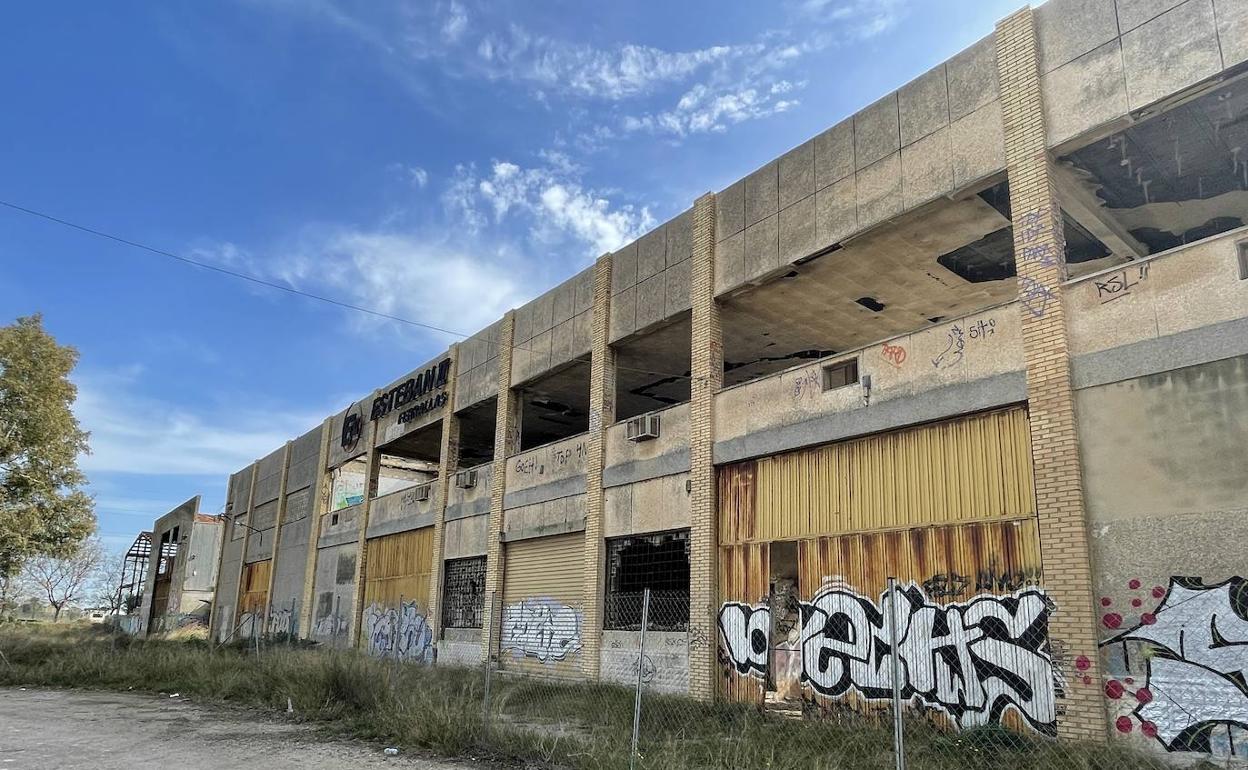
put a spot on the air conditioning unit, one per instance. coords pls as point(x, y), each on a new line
point(643, 428)
point(421, 493)
point(466, 479)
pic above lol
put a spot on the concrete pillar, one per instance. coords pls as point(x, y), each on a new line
point(242, 557)
point(277, 534)
point(371, 473)
point(707, 359)
point(320, 504)
point(1039, 248)
point(506, 439)
point(448, 464)
point(601, 415)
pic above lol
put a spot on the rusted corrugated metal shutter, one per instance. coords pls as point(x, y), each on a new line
point(968, 469)
point(543, 593)
point(396, 595)
point(971, 611)
point(743, 585)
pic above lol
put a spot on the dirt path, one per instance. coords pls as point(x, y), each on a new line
point(45, 729)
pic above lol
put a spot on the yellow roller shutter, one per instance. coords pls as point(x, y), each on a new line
point(542, 616)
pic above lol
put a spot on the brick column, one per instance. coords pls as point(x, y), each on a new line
point(372, 465)
point(320, 503)
point(448, 464)
point(242, 557)
point(707, 363)
point(1039, 248)
point(601, 415)
point(505, 439)
point(277, 534)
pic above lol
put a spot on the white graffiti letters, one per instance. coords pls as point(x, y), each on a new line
point(402, 633)
point(973, 660)
point(1196, 645)
point(744, 631)
point(542, 629)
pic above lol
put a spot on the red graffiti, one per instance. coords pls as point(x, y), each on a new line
point(1114, 689)
point(1158, 592)
point(1106, 601)
point(894, 354)
point(1148, 728)
point(1148, 618)
point(1133, 584)
point(1123, 724)
point(1083, 663)
point(1112, 620)
point(1144, 695)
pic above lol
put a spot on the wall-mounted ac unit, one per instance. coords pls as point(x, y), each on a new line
point(421, 492)
point(643, 428)
point(466, 479)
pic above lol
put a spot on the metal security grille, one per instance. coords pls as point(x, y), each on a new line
point(659, 562)
point(463, 593)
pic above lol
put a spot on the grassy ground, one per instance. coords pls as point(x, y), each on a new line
point(440, 709)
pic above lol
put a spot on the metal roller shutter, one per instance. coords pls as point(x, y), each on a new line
point(542, 616)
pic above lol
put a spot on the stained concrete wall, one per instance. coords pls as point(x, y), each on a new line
point(226, 598)
point(554, 516)
point(664, 665)
point(547, 472)
point(1166, 485)
point(961, 366)
point(631, 461)
point(333, 591)
point(653, 505)
point(650, 277)
point(1104, 59)
point(264, 521)
point(291, 562)
point(401, 511)
point(471, 501)
point(466, 537)
point(938, 134)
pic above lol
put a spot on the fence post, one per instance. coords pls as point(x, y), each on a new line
point(641, 666)
point(899, 738)
point(489, 664)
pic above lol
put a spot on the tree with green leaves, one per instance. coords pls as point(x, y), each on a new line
point(43, 510)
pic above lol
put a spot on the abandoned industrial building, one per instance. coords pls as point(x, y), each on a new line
point(988, 336)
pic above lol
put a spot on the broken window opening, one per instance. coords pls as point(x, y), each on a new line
point(659, 562)
point(463, 593)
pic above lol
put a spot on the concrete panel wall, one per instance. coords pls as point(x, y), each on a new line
point(269, 477)
point(401, 511)
point(291, 562)
point(944, 358)
point(304, 452)
point(198, 557)
point(477, 379)
point(630, 461)
point(1167, 494)
point(1103, 59)
point(263, 520)
point(654, 505)
point(554, 328)
point(550, 517)
point(473, 501)
point(466, 537)
point(340, 527)
point(650, 278)
point(546, 472)
point(333, 591)
point(940, 133)
point(1165, 295)
point(227, 587)
point(460, 647)
point(664, 666)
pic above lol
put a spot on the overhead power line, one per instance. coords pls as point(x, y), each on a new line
point(280, 287)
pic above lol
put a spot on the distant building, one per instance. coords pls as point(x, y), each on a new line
point(182, 570)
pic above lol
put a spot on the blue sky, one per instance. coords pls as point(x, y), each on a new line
point(439, 160)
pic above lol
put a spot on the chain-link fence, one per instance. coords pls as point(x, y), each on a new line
point(800, 685)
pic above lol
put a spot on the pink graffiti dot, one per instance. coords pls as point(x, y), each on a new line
point(1134, 584)
point(1123, 724)
point(1148, 618)
point(1087, 680)
point(1158, 592)
point(1114, 689)
point(1149, 729)
point(1129, 680)
point(1106, 601)
point(1136, 602)
point(1112, 620)
point(1143, 695)
point(1082, 663)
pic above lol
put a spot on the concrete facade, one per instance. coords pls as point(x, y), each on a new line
point(1044, 225)
point(181, 578)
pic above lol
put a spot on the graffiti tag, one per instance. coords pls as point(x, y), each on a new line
point(1120, 283)
point(401, 632)
point(894, 354)
point(542, 629)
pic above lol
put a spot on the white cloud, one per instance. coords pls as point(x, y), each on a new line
point(455, 22)
point(862, 19)
point(704, 109)
point(132, 433)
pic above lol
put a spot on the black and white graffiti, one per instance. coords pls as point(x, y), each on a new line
point(743, 630)
point(541, 628)
point(1195, 648)
point(401, 632)
point(974, 660)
